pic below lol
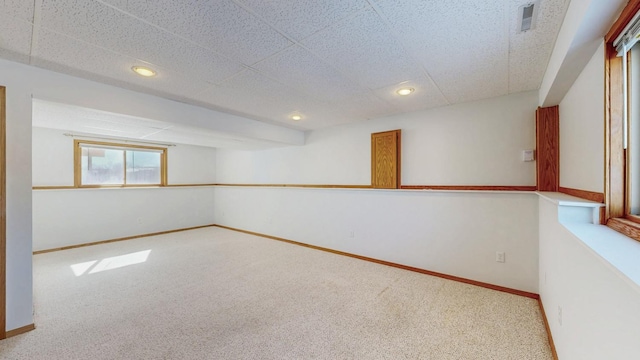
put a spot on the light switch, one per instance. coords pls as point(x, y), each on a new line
point(527, 155)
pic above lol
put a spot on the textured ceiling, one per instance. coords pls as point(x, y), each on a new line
point(333, 61)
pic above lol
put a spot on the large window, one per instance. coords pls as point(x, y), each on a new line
point(622, 195)
point(100, 164)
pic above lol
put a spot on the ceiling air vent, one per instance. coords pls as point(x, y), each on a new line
point(527, 15)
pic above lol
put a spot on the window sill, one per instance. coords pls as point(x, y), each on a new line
point(617, 251)
point(626, 227)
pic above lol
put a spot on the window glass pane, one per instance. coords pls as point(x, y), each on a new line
point(633, 123)
point(102, 166)
point(143, 167)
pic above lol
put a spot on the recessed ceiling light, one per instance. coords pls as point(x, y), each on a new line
point(405, 91)
point(143, 71)
point(296, 117)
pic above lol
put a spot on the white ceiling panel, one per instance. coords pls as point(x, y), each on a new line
point(366, 106)
point(103, 26)
point(529, 51)
point(253, 94)
point(527, 67)
point(301, 18)
point(466, 43)
point(61, 53)
point(299, 69)
point(15, 38)
point(425, 94)
point(332, 61)
point(363, 48)
point(550, 16)
point(18, 9)
point(219, 25)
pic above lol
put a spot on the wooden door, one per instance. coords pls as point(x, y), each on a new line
point(385, 160)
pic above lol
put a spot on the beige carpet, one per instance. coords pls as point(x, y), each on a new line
point(217, 294)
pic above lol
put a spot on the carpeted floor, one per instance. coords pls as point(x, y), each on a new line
point(217, 294)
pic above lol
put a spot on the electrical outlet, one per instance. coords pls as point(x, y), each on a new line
point(352, 234)
point(560, 315)
point(500, 256)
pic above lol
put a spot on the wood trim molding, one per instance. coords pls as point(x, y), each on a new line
point(118, 239)
point(387, 263)
point(633, 6)
point(626, 227)
point(546, 325)
point(302, 186)
point(77, 161)
point(314, 186)
point(3, 214)
point(469, 187)
point(54, 187)
point(188, 185)
point(614, 152)
point(583, 194)
point(20, 330)
point(71, 187)
point(548, 148)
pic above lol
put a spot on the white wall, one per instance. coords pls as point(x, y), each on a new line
point(52, 158)
point(53, 161)
point(191, 165)
point(456, 233)
point(70, 217)
point(477, 143)
point(76, 216)
point(18, 155)
point(582, 129)
point(600, 312)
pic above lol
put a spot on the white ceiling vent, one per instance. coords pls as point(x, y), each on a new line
point(527, 15)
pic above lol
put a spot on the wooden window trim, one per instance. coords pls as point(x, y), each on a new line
point(77, 164)
point(617, 214)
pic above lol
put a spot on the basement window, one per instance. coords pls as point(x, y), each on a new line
point(622, 126)
point(99, 164)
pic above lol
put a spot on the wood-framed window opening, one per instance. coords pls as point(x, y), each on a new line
point(104, 164)
point(618, 174)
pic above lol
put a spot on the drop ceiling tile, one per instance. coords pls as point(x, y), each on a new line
point(220, 25)
point(550, 16)
point(363, 48)
point(255, 95)
point(301, 18)
point(527, 67)
point(301, 70)
point(464, 48)
point(15, 38)
point(104, 26)
point(426, 95)
point(365, 106)
point(18, 9)
point(60, 53)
